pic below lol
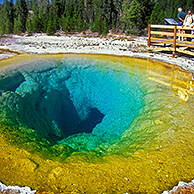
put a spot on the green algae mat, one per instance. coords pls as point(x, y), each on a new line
point(95, 124)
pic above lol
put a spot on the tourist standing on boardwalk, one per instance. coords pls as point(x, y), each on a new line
point(181, 16)
point(188, 19)
point(188, 22)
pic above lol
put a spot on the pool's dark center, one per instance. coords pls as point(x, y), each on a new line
point(60, 108)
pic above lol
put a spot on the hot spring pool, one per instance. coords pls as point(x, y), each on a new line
point(95, 124)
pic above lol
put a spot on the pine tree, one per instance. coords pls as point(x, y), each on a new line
point(157, 15)
point(95, 26)
point(52, 23)
point(43, 15)
point(66, 22)
point(56, 10)
point(17, 25)
point(7, 17)
point(104, 27)
point(100, 25)
point(125, 14)
point(29, 4)
point(29, 24)
point(36, 25)
point(80, 24)
point(146, 11)
point(21, 13)
point(2, 22)
point(132, 15)
point(74, 25)
point(189, 4)
point(11, 15)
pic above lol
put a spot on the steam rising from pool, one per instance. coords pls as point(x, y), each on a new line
point(75, 102)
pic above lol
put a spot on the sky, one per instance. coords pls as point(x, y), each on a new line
point(1, 1)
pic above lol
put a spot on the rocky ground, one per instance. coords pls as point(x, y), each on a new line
point(182, 188)
point(111, 44)
point(15, 190)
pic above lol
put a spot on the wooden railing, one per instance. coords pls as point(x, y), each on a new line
point(165, 38)
point(181, 82)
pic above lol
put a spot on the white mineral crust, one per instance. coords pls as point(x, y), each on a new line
point(136, 47)
point(16, 189)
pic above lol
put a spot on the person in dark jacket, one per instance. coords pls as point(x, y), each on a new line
point(181, 16)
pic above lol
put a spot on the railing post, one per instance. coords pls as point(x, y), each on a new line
point(149, 35)
point(174, 41)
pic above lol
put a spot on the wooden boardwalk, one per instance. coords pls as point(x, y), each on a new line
point(164, 38)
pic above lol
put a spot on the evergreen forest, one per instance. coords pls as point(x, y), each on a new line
point(50, 16)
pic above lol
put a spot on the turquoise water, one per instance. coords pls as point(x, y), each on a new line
point(81, 103)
